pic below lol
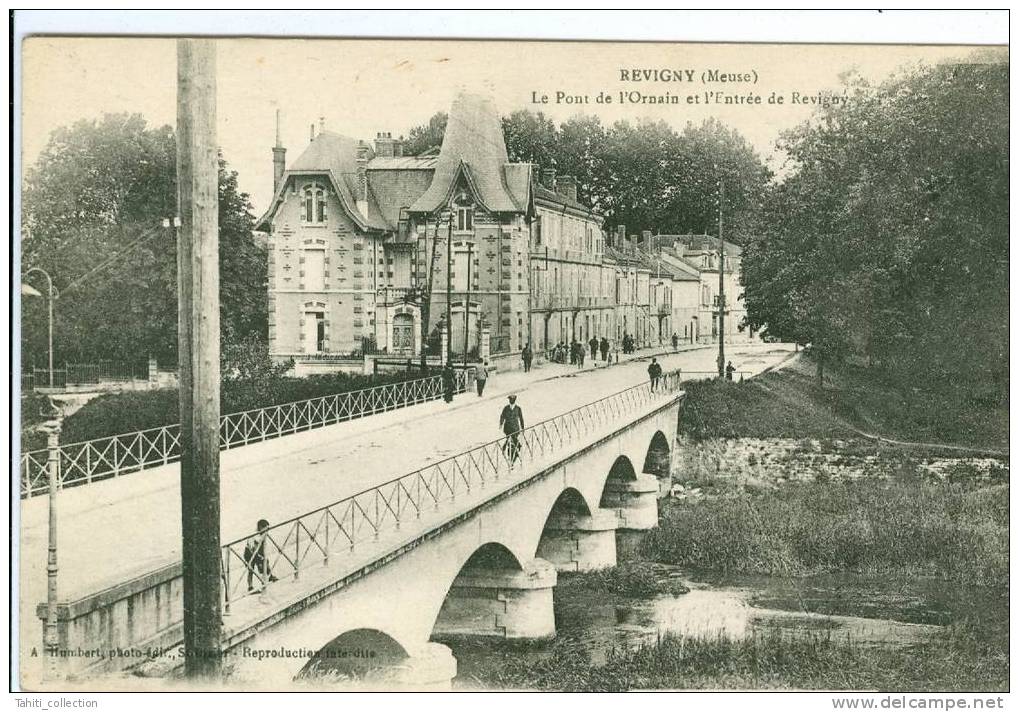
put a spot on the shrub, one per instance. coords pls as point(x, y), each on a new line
point(126, 412)
point(949, 531)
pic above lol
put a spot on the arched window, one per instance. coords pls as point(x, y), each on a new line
point(313, 203)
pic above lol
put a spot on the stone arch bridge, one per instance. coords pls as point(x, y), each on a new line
point(403, 566)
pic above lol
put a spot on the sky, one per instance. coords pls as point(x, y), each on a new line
point(361, 87)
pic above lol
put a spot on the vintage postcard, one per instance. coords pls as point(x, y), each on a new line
point(396, 364)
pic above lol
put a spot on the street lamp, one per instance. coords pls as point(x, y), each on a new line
point(50, 298)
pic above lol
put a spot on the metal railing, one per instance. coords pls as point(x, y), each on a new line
point(91, 460)
point(313, 539)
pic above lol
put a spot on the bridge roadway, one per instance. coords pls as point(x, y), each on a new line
point(117, 529)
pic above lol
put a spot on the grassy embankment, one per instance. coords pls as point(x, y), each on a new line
point(952, 533)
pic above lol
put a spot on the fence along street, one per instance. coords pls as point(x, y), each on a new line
point(85, 462)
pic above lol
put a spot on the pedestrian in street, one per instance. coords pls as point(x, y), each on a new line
point(675, 341)
point(729, 370)
point(654, 372)
point(255, 559)
point(593, 343)
point(581, 354)
point(512, 422)
point(604, 346)
point(480, 377)
point(448, 383)
point(526, 357)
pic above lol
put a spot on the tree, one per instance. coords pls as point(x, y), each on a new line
point(645, 175)
point(93, 205)
point(427, 137)
point(889, 239)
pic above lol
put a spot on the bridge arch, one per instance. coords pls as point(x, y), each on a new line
point(621, 471)
point(658, 461)
point(357, 655)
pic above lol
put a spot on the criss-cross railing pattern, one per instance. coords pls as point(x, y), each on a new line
point(313, 539)
point(85, 462)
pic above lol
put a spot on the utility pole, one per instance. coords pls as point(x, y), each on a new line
point(198, 348)
point(721, 283)
point(467, 303)
point(449, 289)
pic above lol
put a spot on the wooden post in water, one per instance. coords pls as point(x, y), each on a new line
point(198, 353)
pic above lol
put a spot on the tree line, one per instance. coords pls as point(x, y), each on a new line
point(887, 242)
point(92, 212)
point(645, 175)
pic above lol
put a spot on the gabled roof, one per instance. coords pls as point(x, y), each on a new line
point(473, 147)
point(335, 156)
point(682, 271)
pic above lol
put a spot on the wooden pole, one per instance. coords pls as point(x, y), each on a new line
point(198, 353)
point(721, 283)
point(449, 289)
point(467, 304)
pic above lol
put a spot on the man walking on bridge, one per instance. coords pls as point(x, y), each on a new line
point(512, 422)
point(654, 372)
point(255, 558)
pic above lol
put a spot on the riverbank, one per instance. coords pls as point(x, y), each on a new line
point(811, 558)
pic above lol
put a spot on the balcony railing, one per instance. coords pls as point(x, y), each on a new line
point(86, 462)
point(321, 536)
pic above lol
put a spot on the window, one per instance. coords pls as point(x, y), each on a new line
point(464, 219)
point(313, 204)
point(314, 270)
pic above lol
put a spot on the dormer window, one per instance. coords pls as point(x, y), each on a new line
point(313, 204)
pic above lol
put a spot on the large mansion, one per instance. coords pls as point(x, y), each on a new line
point(365, 243)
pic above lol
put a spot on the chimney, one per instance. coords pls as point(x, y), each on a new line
point(567, 186)
point(386, 146)
point(279, 158)
point(363, 155)
point(645, 240)
point(548, 178)
point(620, 237)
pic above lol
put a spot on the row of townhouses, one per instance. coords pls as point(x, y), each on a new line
point(365, 243)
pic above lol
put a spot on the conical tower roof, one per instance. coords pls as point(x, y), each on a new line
point(473, 144)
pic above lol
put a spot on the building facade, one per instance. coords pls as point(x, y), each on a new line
point(370, 249)
point(570, 298)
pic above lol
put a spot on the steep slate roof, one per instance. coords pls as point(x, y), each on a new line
point(473, 145)
point(334, 155)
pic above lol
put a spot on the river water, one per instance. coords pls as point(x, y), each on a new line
point(868, 610)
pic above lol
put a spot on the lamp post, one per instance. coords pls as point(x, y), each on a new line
point(51, 632)
point(50, 298)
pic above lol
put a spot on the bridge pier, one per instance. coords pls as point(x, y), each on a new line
point(636, 505)
point(500, 603)
point(580, 542)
